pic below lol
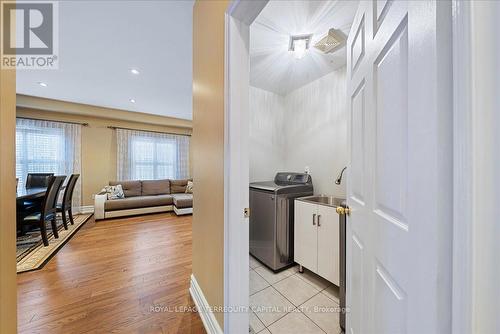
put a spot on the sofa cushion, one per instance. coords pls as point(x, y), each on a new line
point(138, 202)
point(155, 187)
point(114, 192)
point(178, 186)
point(130, 188)
point(189, 187)
point(183, 200)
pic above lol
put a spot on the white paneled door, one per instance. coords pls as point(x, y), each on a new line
point(399, 186)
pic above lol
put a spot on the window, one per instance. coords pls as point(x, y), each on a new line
point(153, 159)
point(39, 150)
point(47, 147)
point(146, 155)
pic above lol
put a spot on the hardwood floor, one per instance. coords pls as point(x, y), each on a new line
point(115, 276)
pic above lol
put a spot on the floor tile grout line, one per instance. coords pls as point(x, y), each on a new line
point(320, 292)
point(309, 299)
point(310, 317)
point(326, 287)
point(336, 302)
point(290, 300)
point(278, 280)
point(329, 283)
point(306, 314)
point(251, 294)
point(295, 307)
point(254, 267)
point(259, 290)
point(305, 281)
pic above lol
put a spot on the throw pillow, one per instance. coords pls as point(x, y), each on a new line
point(114, 192)
point(189, 187)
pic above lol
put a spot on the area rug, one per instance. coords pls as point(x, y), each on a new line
point(32, 255)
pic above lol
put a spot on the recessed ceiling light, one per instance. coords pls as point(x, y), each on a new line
point(134, 71)
point(43, 84)
point(132, 100)
point(299, 44)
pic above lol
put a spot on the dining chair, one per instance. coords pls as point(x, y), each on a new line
point(36, 180)
point(48, 210)
point(66, 204)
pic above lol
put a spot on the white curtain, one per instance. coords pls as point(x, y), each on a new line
point(48, 147)
point(144, 155)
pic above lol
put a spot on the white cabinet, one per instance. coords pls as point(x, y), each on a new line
point(316, 239)
point(305, 240)
point(328, 243)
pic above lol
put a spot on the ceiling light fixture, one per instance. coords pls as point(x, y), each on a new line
point(43, 84)
point(134, 71)
point(132, 100)
point(299, 45)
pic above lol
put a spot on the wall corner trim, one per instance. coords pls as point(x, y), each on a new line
point(204, 310)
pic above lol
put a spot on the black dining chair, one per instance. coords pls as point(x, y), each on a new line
point(48, 210)
point(65, 206)
point(37, 180)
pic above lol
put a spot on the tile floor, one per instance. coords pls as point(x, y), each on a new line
point(290, 302)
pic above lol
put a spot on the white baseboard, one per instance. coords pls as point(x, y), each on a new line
point(85, 209)
point(204, 310)
point(184, 211)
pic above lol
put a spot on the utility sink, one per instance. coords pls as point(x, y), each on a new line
point(323, 200)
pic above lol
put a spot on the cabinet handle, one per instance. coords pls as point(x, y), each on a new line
point(319, 224)
point(314, 219)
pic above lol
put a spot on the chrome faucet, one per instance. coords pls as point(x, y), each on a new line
point(339, 178)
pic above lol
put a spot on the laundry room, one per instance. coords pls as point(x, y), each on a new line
point(298, 153)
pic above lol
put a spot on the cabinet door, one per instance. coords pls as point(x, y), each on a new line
point(306, 235)
point(328, 244)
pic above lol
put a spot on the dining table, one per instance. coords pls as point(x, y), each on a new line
point(24, 193)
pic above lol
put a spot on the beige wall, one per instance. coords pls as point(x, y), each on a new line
point(98, 141)
point(8, 297)
point(208, 150)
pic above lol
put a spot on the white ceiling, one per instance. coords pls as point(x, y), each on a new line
point(273, 67)
point(99, 41)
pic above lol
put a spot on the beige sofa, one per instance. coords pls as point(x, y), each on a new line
point(143, 197)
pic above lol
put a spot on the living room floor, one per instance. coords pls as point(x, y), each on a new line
point(115, 276)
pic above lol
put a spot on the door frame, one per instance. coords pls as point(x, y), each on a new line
point(462, 170)
point(8, 283)
point(239, 16)
point(476, 69)
point(467, 145)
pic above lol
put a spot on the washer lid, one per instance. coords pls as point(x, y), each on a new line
point(281, 188)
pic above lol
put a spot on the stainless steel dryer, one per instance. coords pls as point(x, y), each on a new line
point(271, 219)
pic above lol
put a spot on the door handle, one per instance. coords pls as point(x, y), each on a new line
point(314, 219)
point(343, 211)
point(319, 223)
